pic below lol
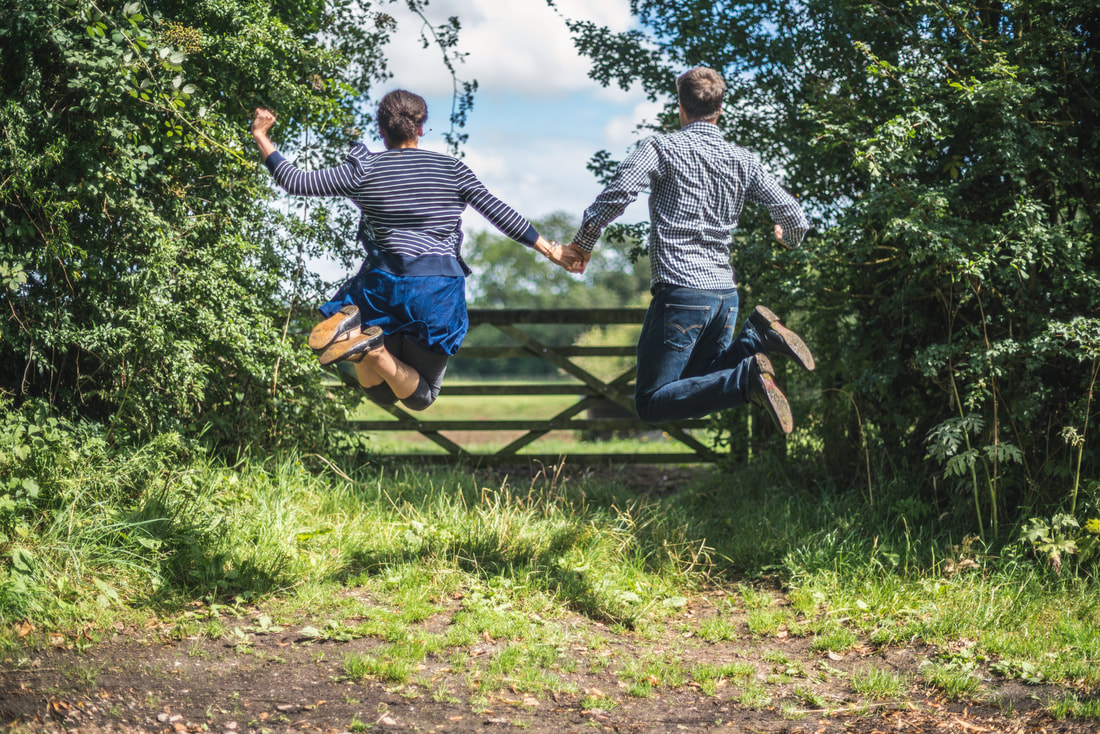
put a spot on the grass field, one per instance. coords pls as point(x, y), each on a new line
point(527, 407)
point(752, 592)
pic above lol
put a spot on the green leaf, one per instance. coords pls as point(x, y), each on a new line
point(150, 543)
point(30, 488)
point(107, 594)
point(22, 560)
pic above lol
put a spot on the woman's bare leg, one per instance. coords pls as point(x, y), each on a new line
point(367, 376)
point(378, 366)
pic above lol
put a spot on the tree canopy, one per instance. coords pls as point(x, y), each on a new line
point(147, 279)
point(949, 155)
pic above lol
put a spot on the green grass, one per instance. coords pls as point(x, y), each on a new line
point(754, 695)
point(166, 529)
point(765, 622)
point(834, 638)
point(657, 671)
point(878, 684)
point(529, 407)
point(391, 666)
point(476, 407)
point(1072, 706)
point(808, 697)
point(957, 683)
point(718, 629)
point(710, 675)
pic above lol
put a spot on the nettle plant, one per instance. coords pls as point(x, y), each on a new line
point(22, 442)
point(1060, 537)
point(34, 446)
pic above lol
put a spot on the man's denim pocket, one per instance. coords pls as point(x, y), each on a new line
point(683, 324)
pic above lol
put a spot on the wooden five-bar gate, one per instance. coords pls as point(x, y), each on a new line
point(590, 391)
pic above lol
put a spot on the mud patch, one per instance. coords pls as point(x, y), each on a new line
point(142, 680)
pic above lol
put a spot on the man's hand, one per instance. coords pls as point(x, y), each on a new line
point(571, 258)
point(574, 259)
point(779, 234)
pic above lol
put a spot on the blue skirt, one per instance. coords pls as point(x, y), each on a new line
point(429, 309)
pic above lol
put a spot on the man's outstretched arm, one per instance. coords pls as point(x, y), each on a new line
point(790, 221)
point(633, 175)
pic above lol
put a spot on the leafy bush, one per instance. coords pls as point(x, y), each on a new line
point(147, 282)
point(950, 161)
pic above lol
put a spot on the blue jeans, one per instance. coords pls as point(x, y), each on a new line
point(689, 363)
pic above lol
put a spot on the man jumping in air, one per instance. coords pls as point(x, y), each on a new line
point(689, 363)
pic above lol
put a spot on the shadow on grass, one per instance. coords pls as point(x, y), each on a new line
point(489, 554)
point(193, 556)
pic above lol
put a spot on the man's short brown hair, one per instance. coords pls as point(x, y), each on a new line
point(700, 91)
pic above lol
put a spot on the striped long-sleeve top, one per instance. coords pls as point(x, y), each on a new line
point(411, 202)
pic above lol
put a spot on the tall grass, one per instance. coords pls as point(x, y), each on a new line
point(155, 527)
point(119, 532)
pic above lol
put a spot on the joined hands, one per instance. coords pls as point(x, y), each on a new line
point(570, 257)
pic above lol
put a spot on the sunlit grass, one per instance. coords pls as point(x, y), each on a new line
point(878, 683)
point(381, 551)
point(1072, 705)
point(956, 683)
point(394, 664)
point(472, 409)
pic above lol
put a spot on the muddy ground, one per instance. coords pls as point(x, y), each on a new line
point(143, 680)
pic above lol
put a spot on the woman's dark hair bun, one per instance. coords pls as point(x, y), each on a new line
point(400, 115)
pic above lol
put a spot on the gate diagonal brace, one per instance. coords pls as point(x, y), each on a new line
point(572, 410)
point(407, 420)
point(611, 392)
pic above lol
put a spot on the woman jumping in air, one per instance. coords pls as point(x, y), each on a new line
point(404, 314)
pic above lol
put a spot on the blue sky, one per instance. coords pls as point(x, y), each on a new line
point(537, 117)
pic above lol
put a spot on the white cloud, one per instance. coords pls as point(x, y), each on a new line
point(518, 46)
point(621, 131)
point(536, 177)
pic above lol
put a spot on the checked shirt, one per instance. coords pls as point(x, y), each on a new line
point(698, 184)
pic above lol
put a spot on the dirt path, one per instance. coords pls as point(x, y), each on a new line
point(288, 679)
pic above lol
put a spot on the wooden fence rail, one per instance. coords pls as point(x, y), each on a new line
point(590, 390)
